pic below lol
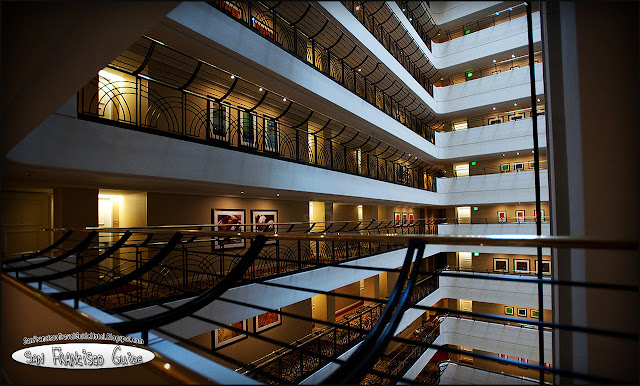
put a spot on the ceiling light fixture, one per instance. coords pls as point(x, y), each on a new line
point(284, 99)
point(403, 9)
point(494, 60)
point(513, 56)
point(517, 153)
point(242, 192)
point(410, 19)
point(515, 104)
point(503, 155)
point(359, 69)
point(538, 99)
point(494, 108)
point(233, 76)
point(260, 89)
point(278, 195)
point(357, 7)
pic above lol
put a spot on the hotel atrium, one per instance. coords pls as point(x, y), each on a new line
point(308, 192)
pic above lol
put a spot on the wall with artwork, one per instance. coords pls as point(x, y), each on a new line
point(490, 212)
point(248, 349)
point(511, 310)
point(167, 208)
point(503, 263)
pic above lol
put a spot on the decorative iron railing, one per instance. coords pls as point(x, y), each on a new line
point(381, 333)
point(407, 53)
point(139, 102)
point(327, 50)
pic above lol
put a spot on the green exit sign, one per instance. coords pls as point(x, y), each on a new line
point(473, 163)
point(476, 254)
point(467, 31)
point(475, 208)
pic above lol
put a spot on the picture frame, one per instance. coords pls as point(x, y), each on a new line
point(263, 221)
point(546, 267)
point(247, 124)
point(500, 265)
point(535, 214)
point(224, 336)
point(518, 166)
point(502, 359)
point(504, 168)
point(521, 265)
point(523, 360)
point(411, 218)
point(520, 216)
point(502, 216)
point(397, 218)
point(522, 312)
point(532, 165)
point(534, 314)
point(494, 121)
point(224, 220)
point(270, 137)
point(218, 122)
point(267, 321)
point(508, 310)
point(404, 218)
point(516, 117)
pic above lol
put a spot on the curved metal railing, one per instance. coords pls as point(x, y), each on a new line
point(402, 298)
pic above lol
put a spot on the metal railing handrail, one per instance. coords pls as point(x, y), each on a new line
point(591, 242)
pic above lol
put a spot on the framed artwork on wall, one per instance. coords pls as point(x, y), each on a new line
point(218, 123)
point(228, 220)
point(397, 218)
point(247, 125)
point(519, 215)
point(523, 360)
point(532, 165)
point(494, 121)
point(502, 216)
point(521, 265)
point(267, 320)
point(508, 310)
point(535, 314)
point(500, 265)
point(404, 218)
point(546, 267)
point(522, 312)
point(264, 221)
point(502, 359)
point(518, 166)
point(223, 336)
point(505, 168)
point(535, 214)
point(516, 117)
point(270, 135)
point(410, 218)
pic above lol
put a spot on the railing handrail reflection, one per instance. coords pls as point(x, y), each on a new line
point(443, 366)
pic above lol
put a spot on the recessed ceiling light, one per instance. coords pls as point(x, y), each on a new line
point(494, 108)
point(517, 153)
point(233, 76)
point(503, 155)
point(260, 89)
point(403, 9)
point(410, 19)
point(513, 56)
point(515, 104)
point(278, 195)
point(510, 9)
point(357, 7)
point(242, 192)
point(538, 99)
point(359, 69)
point(494, 60)
point(253, 18)
point(441, 78)
point(409, 155)
point(284, 99)
point(497, 13)
point(532, 151)
point(167, 366)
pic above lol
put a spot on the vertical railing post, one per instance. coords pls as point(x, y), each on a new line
point(297, 145)
point(299, 255)
point(315, 149)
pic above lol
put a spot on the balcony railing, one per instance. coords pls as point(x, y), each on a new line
point(139, 102)
point(495, 118)
point(491, 20)
point(329, 50)
point(376, 339)
point(498, 67)
point(507, 167)
point(366, 14)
